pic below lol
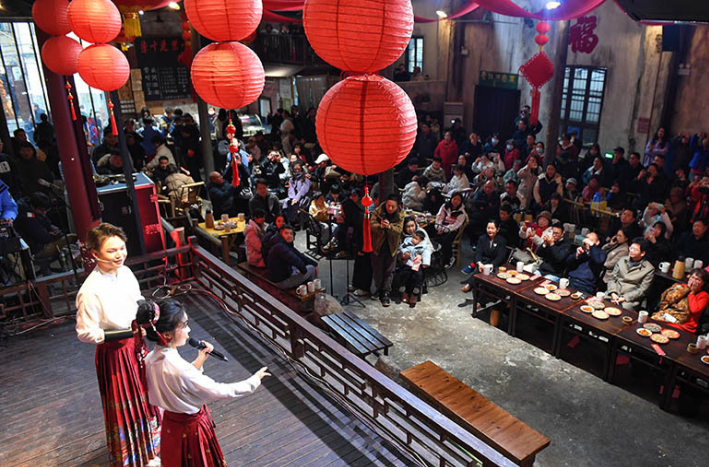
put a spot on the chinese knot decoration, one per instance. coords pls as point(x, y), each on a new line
point(538, 70)
point(367, 227)
point(581, 36)
point(234, 153)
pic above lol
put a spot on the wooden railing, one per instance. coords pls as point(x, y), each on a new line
point(433, 437)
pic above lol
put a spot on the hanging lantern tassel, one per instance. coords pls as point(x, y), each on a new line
point(131, 24)
point(234, 150)
point(534, 112)
point(366, 226)
point(70, 98)
point(114, 128)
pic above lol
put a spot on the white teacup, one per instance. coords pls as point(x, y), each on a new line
point(698, 263)
point(688, 264)
point(563, 283)
point(318, 284)
point(487, 269)
point(665, 267)
point(520, 266)
point(301, 290)
point(311, 287)
point(584, 231)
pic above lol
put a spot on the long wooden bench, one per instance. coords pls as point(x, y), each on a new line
point(360, 337)
point(259, 276)
point(507, 434)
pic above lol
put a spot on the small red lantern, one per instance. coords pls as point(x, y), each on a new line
point(103, 67)
point(366, 124)
point(51, 16)
point(228, 75)
point(61, 54)
point(541, 40)
point(543, 27)
point(97, 21)
point(224, 20)
point(362, 37)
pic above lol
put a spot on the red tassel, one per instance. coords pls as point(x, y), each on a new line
point(235, 169)
point(70, 97)
point(534, 112)
point(366, 226)
point(114, 128)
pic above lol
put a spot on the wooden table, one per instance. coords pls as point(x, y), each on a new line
point(227, 238)
point(356, 334)
point(688, 370)
point(486, 420)
point(498, 289)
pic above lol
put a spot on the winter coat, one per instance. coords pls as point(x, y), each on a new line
point(254, 234)
point(434, 175)
point(585, 270)
point(423, 249)
point(283, 258)
point(413, 196)
point(554, 257)
point(449, 219)
point(494, 253)
point(392, 235)
point(613, 255)
point(527, 180)
point(448, 152)
point(631, 282)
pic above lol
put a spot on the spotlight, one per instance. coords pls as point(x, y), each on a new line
point(174, 5)
point(141, 12)
point(553, 5)
point(441, 14)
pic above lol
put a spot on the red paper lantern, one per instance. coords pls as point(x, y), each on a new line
point(541, 40)
point(366, 124)
point(61, 54)
point(363, 37)
point(51, 16)
point(103, 67)
point(543, 27)
point(224, 20)
point(228, 75)
point(97, 21)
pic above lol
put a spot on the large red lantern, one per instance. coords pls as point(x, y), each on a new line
point(224, 20)
point(51, 16)
point(97, 21)
point(366, 124)
point(103, 67)
point(359, 36)
point(228, 75)
point(61, 54)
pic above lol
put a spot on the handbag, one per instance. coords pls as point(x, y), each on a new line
point(526, 256)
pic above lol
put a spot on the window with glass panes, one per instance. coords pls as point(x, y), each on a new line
point(582, 101)
point(414, 53)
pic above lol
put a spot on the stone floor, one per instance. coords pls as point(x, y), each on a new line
point(589, 422)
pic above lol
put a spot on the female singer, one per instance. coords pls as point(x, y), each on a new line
point(107, 303)
point(188, 438)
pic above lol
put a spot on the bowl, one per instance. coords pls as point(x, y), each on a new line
point(576, 295)
point(628, 319)
point(692, 348)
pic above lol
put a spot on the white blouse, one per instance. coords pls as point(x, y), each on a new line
point(106, 302)
point(174, 384)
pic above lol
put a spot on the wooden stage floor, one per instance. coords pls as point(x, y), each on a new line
point(51, 411)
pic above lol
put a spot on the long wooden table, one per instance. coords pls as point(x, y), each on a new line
point(226, 237)
point(616, 337)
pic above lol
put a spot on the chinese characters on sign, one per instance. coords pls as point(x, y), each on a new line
point(163, 77)
point(496, 79)
point(581, 36)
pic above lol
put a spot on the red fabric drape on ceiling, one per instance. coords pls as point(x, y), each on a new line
point(569, 9)
point(464, 10)
point(276, 18)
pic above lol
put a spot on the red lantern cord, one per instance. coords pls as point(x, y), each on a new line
point(366, 226)
point(234, 150)
point(114, 128)
point(70, 98)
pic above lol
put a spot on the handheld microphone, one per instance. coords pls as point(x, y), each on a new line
point(200, 345)
point(46, 184)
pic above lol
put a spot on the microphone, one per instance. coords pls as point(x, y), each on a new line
point(46, 184)
point(200, 345)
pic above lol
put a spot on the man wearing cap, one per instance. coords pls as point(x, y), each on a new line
point(571, 191)
point(619, 165)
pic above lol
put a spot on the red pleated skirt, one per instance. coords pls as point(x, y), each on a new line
point(189, 440)
point(132, 425)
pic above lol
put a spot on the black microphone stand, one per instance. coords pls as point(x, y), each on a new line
point(61, 202)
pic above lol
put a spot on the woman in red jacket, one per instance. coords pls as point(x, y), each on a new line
point(447, 150)
point(682, 305)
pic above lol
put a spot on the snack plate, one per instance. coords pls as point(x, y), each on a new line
point(600, 314)
point(644, 332)
point(612, 311)
point(513, 281)
point(671, 333)
point(659, 338)
point(553, 297)
point(705, 359)
point(550, 287)
point(576, 295)
point(503, 275)
point(587, 309)
point(541, 291)
point(652, 327)
point(597, 305)
point(523, 277)
point(563, 293)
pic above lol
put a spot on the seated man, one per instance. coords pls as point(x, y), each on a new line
point(631, 277)
point(509, 228)
point(586, 264)
point(288, 267)
point(222, 195)
point(434, 172)
point(265, 201)
point(111, 164)
point(415, 254)
point(163, 169)
point(8, 207)
point(554, 250)
point(253, 233)
point(628, 219)
point(695, 244)
point(174, 183)
point(43, 238)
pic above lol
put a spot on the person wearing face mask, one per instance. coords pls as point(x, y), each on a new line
point(565, 144)
point(511, 154)
point(537, 152)
point(631, 277)
point(493, 144)
point(106, 304)
point(181, 388)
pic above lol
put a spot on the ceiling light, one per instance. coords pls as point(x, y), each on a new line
point(174, 5)
point(141, 12)
point(553, 5)
point(441, 14)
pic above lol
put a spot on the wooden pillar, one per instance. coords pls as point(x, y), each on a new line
point(556, 89)
point(206, 143)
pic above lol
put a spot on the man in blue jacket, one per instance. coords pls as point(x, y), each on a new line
point(8, 207)
point(585, 265)
point(288, 267)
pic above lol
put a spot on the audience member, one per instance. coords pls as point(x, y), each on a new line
point(490, 249)
point(682, 305)
point(449, 221)
point(415, 255)
point(387, 223)
point(435, 172)
point(554, 250)
point(287, 266)
point(616, 248)
point(254, 233)
point(631, 277)
point(268, 202)
point(586, 264)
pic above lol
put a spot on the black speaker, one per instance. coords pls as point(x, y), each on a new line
point(670, 38)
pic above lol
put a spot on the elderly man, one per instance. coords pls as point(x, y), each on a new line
point(631, 277)
point(222, 195)
point(586, 264)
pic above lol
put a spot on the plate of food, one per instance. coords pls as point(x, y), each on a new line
point(523, 277)
point(652, 327)
point(599, 314)
point(576, 295)
point(563, 293)
point(541, 291)
point(587, 309)
point(659, 338)
point(503, 275)
point(552, 296)
point(598, 305)
point(705, 359)
point(219, 227)
point(512, 272)
point(671, 333)
point(513, 281)
point(644, 332)
point(550, 287)
point(612, 311)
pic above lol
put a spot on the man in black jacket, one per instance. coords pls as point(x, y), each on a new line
point(266, 201)
point(509, 228)
point(43, 238)
point(555, 249)
point(586, 263)
point(288, 267)
point(222, 195)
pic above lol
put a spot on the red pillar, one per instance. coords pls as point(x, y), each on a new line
point(73, 153)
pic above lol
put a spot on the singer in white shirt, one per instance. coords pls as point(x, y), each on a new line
point(107, 303)
point(181, 388)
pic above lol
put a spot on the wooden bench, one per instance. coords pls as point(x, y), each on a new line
point(356, 334)
point(259, 276)
point(507, 434)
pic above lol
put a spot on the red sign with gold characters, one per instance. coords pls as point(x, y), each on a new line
point(581, 35)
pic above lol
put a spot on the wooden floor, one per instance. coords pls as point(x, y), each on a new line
point(51, 411)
